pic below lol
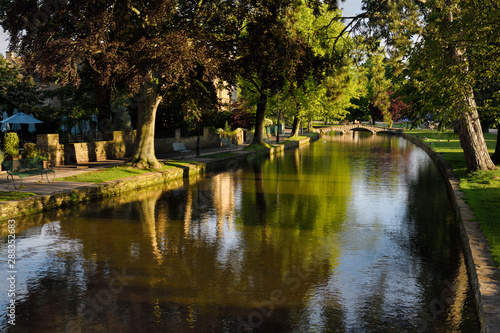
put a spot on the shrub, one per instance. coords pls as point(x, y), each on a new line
point(2, 157)
point(32, 151)
point(11, 145)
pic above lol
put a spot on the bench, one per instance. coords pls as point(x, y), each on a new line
point(179, 147)
point(226, 144)
point(25, 168)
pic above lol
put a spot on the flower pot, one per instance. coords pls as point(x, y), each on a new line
point(13, 157)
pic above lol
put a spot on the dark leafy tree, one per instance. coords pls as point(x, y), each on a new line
point(241, 117)
point(152, 46)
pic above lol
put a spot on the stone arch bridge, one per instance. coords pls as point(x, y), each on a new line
point(358, 127)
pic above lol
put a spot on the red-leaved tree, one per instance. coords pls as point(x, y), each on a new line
point(149, 45)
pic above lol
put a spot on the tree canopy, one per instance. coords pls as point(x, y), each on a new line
point(442, 48)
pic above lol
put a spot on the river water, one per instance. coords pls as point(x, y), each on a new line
point(352, 233)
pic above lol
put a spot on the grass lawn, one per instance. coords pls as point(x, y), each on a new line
point(256, 147)
point(300, 137)
point(117, 172)
point(482, 189)
point(7, 196)
point(219, 155)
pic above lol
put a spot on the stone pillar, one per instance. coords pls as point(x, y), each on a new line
point(50, 144)
point(206, 131)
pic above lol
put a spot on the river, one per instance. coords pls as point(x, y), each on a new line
point(352, 233)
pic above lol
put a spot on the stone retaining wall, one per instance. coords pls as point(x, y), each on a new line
point(121, 146)
point(483, 272)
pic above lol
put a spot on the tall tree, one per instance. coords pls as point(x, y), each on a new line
point(380, 87)
point(270, 56)
point(301, 66)
point(151, 45)
point(443, 59)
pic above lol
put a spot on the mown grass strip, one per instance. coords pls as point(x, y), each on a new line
point(481, 189)
point(7, 196)
point(298, 138)
point(219, 155)
point(117, 172)
point(257, 147)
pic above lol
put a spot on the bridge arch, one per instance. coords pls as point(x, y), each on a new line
point(358, 127)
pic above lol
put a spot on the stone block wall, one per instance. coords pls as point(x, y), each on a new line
point(50, 144)
point(120, 147)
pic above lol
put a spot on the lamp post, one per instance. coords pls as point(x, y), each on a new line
point(198, 139)
point(278, 129)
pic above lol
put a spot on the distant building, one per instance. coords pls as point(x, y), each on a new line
point(227, 96)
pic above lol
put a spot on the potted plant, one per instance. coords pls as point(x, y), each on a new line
point(32, 151)
point(11, 145)
point(2, 158)
point(45, 159)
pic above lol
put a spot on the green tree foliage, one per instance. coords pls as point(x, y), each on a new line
point(11, 144)
point(276, 52)
point(450, 45)
point(322, 89)
point(380, 87)
point(17, 91)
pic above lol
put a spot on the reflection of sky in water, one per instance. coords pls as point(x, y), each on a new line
point(39, 253)
point(377, 210)
point(366, 268)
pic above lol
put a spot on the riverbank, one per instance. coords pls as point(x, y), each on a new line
point(65, 194)
point(470, 208)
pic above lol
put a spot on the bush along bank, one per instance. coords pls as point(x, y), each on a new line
point(87, 193)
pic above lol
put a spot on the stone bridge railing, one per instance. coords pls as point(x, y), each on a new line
point(358, 127)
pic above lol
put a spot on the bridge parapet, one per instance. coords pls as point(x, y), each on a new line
point(358, 127)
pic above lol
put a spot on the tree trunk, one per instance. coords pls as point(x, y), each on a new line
point(309, 125)
point(467, 124)
point(471, 137)
point(144, 150)
point(259, 119)
point(103, 98)
point(295, 126)
point(496, 156)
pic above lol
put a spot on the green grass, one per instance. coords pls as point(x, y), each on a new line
point(219, 155)
point(299, 137)
point(482, 193)
point(118, 172)
point(256, 147)
point(481, 189)
point(7, 196)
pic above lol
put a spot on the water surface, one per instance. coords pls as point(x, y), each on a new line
point(352, 233)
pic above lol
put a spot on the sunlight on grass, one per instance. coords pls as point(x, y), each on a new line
point(256, 147)
point(7, 196)
point(114, 173)
point(297, 138)
point(219, 155)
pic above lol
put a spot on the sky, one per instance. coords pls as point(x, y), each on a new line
point(350, 7)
